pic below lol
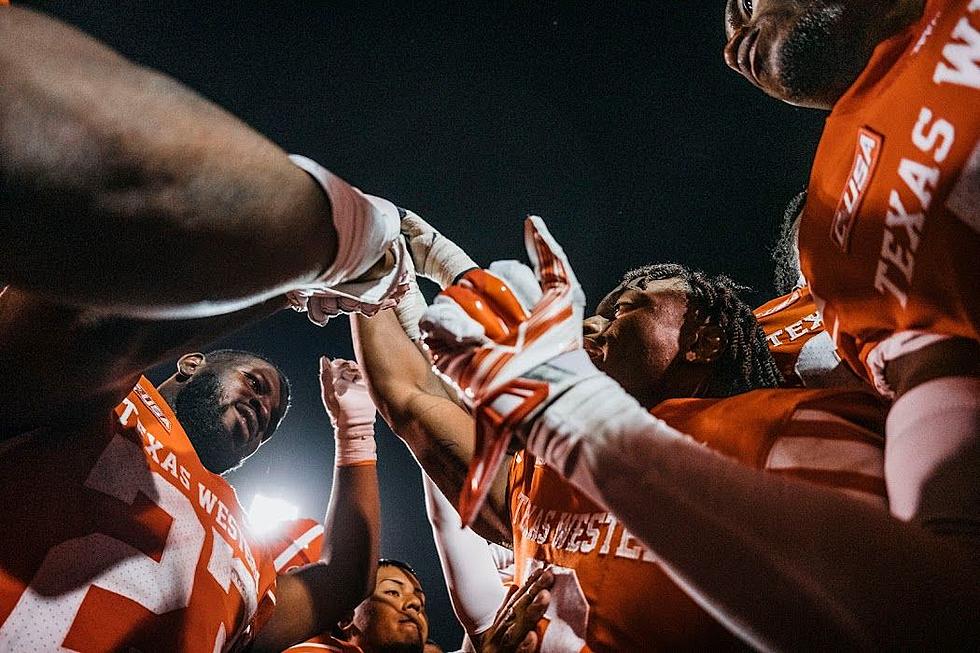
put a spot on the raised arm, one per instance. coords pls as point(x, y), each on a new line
point(475, 586)
point(420, 410)
point(110, 167)
point(777, 560)
point(312, 599)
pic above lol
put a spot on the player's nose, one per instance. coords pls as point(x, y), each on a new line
point(594, 326)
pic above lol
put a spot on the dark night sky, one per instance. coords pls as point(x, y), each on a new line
point(618, 122)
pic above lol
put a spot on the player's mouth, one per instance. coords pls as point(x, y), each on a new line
point(410, 621)
point(596, 353)
point(748, 59)
point(248, 422)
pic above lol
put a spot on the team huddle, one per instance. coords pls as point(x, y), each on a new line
point(677, 471)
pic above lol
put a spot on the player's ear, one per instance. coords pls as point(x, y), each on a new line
point(709, 344)
point(188, 364)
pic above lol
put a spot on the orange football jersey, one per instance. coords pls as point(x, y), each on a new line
point(889, 236)
point(293, 544)
point(790, 322)
point(118, 538)
point(612, 594)
point(802, 348)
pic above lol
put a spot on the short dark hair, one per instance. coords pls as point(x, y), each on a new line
point(746, 362)
point(404, 566)
point(786, 252)
point(231, 355)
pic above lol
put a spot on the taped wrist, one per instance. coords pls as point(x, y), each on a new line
point(438, 258)
point(355, 448)
point(410, 310)
point(366, 226)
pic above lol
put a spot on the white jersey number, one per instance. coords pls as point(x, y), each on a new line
point(46, 610)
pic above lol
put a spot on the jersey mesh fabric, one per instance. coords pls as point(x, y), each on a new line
point(889, 235)
point(119, 538)
point(830, 437)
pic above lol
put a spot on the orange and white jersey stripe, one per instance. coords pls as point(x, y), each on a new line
point(830, 437)
point(294, 544)
point(117, 538)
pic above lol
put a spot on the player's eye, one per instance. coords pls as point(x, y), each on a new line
point(392, 593)
point(623, 308)
point(747, 7)
point(253, 381)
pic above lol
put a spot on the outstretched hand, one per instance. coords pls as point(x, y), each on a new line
point(513, 630)
point(505, 357)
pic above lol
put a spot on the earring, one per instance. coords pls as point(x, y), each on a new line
point(690, 356)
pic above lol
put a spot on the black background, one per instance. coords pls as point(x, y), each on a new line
point(618, 122)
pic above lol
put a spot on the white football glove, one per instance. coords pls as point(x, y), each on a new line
point(436, 257)
point(367, 230)
point(508, 362)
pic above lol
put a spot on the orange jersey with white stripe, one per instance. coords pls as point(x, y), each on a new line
point(790, 323)
point(890, 236)
point(294, 544)
point(801, 347)
point(613, 593)
point(118, 538)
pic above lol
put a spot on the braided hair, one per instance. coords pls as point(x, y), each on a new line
point(746, 362)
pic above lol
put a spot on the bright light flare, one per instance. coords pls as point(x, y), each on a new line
point(266, 513)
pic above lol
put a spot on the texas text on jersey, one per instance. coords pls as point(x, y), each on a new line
point(889, 236)
point(130, 542)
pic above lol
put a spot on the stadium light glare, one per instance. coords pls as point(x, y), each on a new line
point(266, 513)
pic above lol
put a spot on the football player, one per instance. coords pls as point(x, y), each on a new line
point(688, 348)
point(835, 571)
point(889, 234)
point(138, 222)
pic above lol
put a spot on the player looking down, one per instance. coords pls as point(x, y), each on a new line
point(139, 222)
point(682, 342)
point(889, 234)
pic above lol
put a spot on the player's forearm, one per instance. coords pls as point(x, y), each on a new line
point(415, 405)
point(471, 574)
point(113, 171)
point(397, 372)
point(780, 562)
point(352, 541)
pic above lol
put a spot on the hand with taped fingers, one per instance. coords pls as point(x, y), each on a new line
point(347, 400)
point(513, 631)
point(507, 360)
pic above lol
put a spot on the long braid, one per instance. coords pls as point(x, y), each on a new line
point(746, 362)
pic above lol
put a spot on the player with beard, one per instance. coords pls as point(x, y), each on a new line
point(139, 222)
point(679, 341)
point(124, 534)
point(889, 234)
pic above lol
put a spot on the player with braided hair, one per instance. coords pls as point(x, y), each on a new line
point(682, 344)
point(745, 364)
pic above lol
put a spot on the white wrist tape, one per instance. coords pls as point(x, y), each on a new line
point(578, 425)
point(366, 225)
point(410, 310)
point(352, 450)
point(436, 257)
